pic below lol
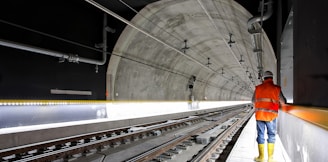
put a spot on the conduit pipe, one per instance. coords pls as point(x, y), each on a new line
point(251, 22)
point(104, 45)
point(6, 43)
point(69, 57)
point(257, 36)
point(144, 32)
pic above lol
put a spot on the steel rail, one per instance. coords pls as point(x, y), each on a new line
point(222, 139)
point(67, 147)
point(99, 135)
point(158, 150)
point(152, 154)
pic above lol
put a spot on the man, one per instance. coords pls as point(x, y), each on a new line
point(266, 100)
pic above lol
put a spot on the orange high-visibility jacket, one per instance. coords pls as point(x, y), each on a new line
point(266, 100)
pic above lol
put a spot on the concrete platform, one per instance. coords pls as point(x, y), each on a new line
point(246, 149)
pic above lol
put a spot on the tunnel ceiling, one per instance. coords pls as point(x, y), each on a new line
point(171, 50)
point(168, 42)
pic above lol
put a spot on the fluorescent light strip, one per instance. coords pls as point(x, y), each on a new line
point(70, 92)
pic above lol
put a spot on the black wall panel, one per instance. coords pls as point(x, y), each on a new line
point(50, 25)
point(311, 53)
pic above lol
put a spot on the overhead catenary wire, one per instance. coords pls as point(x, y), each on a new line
point(230, 28)
point(216, 27)
point(161, 28)
point(144, 32)
point(70, 57)
point(50, 36)
point(148, 34)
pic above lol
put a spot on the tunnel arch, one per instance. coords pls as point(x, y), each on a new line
point(156, 72)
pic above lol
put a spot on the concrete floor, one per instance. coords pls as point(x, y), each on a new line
point(245, 148)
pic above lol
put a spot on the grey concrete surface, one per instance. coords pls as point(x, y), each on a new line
point(143, 68)
point(302, 140)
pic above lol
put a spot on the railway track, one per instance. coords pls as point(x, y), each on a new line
point(210, 152)
point(71, 148)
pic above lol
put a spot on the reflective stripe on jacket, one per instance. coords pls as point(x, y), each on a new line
point(266, 101)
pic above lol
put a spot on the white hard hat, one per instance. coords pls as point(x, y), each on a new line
point(267, 74)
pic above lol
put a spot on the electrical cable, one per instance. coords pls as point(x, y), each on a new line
point(216, 27)
point(49, 35)
point(162, 29)
point(230, 28)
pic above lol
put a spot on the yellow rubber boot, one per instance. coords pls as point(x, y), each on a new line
point(270, 152)
point(260, 158)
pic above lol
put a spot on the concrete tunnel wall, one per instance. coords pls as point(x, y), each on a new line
point(142, 68)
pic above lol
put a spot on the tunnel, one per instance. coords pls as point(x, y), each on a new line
point(98, 53)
